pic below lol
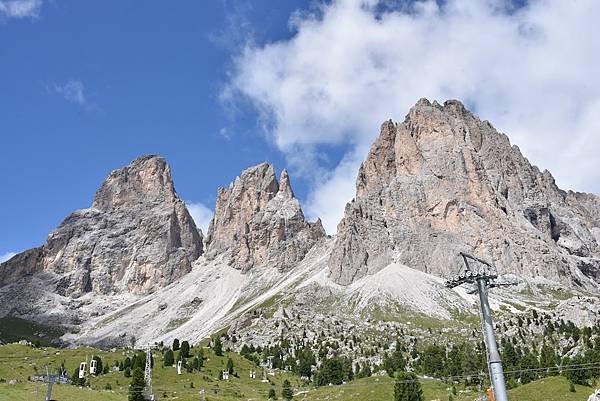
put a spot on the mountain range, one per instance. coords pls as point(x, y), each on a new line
point(133, 268)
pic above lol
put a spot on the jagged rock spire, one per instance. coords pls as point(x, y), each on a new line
point(284, 184)
point(444, 181)
point(258, 222)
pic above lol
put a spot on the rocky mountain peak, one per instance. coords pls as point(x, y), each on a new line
point(146, 179)
point(138, 236)
point(443, 181)
point(259, 222)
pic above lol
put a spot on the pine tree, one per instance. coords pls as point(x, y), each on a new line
point(175, 344)
point(331, 371)
point(548, 359)
point(218, 347)
point(185, 349)
point(136, 388)
point(230, 365)
point(407, 387)
point(528, 365)
point(169, 358)
point(286, 391)
point(272, 394)
point(306, 359)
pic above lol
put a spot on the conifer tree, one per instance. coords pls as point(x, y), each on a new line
point(136, 388)
point(218, 347)
point(185, 349)
point(169, 358)
point(407, 387)
point(286, 391)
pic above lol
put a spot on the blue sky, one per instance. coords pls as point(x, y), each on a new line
point(86, 87)
point(217, 86)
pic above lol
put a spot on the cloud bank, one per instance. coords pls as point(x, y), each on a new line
point(349, 65)
point(21, 8)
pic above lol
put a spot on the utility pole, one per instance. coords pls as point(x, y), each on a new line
point(148, 394)
point(484, 278)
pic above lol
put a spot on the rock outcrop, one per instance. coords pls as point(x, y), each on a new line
point(259, 222)
point(442, 182)
point(137, 236)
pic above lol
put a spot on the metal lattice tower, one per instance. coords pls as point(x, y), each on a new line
point(484, 277)
point(148, 394)
point(50, 383)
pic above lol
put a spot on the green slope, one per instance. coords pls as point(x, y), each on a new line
point(18, 362)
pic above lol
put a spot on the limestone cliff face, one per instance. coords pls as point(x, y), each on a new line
point(442, 182)
point(259, 222)
point(137, 236)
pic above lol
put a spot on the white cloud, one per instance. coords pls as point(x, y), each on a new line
point(21, 8)
point(72, 91)
point(352, 64)
point(224, 133)
point(6, 256)
point(201, 215)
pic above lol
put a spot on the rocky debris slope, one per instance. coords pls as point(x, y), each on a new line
point(444, 181)
point(137, 236)
point(258, 222)
point(581, 310)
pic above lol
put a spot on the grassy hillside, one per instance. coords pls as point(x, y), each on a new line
point(371, 389)
point(18, 362)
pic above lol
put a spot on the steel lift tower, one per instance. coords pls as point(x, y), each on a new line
point(484, 276)
point(148, 394)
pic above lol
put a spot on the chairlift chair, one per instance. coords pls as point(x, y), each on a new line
point(82, 369)
point(93, 366)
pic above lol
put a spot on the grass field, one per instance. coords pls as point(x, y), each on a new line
point(18, 362)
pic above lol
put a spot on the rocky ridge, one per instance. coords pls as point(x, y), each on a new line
point(444, 181)
point(137, 236)
point(259, 222)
